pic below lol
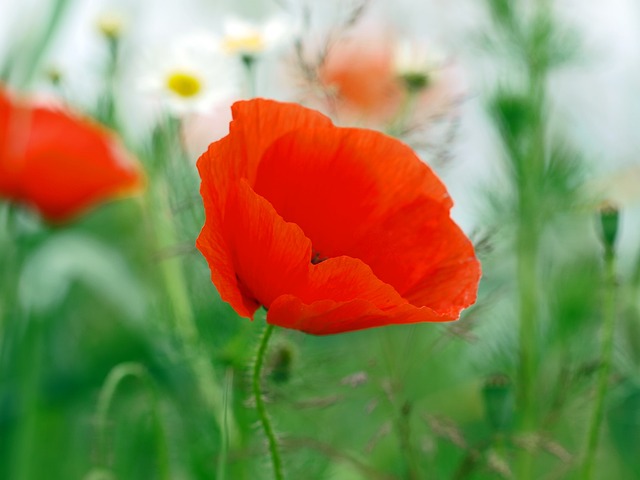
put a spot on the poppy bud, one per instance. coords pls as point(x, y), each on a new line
point(415, 81)
point(54, 76)
point(497, 393)
point(280, 363)
point(609, 221)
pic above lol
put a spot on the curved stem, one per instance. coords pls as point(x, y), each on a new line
point(608, 330)
point(105, 399)
point(260, 405)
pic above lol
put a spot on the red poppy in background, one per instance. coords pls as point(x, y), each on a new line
point(331, 229)
point(372, 70)
point(57, 163)
point(360, 68)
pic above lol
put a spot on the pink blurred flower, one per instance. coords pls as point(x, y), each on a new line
point(201, 129)
point(375, 77)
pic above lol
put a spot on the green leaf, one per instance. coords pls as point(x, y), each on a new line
point(65, 258)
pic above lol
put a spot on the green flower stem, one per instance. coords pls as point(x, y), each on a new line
point(105, 399)
point(527, 296)
point(608, 330)
point(249, 62)
point(260, 405)
point(107, 111)
point(528, 237)
point(399, 124)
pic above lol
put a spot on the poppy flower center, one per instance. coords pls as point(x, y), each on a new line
point(184, 84)
point(317, 257)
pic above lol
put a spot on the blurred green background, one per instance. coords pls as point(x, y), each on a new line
point(119, 361)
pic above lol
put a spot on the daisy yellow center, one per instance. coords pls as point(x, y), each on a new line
point(184, 84)
point(245, 43)
point(111, 25)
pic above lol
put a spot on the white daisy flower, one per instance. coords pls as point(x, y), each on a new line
point(245, 38)
point(111, 24)
point(417, 65)
point(191, 74)
point(619, 188)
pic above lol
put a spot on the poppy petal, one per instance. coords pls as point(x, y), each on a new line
point(73, 165)
point(338, 183)
point(424, 255)
point(331, 229)
point(213, 166)
point(270, 256)
point(12, 133)
point(60, 164)
point(256, 124)
point(327, 317)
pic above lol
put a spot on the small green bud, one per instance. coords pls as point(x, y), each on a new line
point(281, 362)
point(415, 81)
point(54, 75)
point(497, 393)
point(609, 222)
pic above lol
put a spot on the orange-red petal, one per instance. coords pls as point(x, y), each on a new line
point(331, 229)
point(269, 256)
point(424, 255)
point(338, 183)
point(327, 317)
point(272, 257)
point(60, 164)
point(256, 124)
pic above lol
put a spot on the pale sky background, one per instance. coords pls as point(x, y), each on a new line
point(597, 101)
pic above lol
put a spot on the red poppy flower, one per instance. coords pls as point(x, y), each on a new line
point(377, 76)
point(331, 229)
point(57, 163)
point(360, 68)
